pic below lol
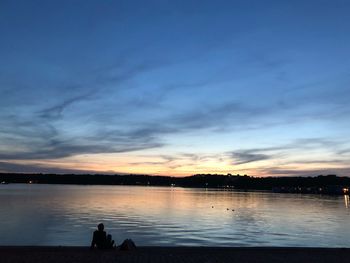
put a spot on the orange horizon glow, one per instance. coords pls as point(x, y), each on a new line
point(151, 165)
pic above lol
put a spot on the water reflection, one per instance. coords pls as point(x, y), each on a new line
point(67, 215)
point(346, 200)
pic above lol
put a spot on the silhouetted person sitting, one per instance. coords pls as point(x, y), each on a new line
point(109, 242)
point(101, 240)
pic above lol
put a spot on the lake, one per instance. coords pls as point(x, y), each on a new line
point(160, 216)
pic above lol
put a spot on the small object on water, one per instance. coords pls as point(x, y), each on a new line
point(212, 206)
point(233, 210)
point(227, 209)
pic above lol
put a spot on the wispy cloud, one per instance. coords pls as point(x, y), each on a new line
point(12, 167)
point(207, 117)
point(55, 112)
point(322, 161)
point(41, 137)
point(55, 148)
point(248, 156)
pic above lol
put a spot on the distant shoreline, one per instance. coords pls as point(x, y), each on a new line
point(329, 184)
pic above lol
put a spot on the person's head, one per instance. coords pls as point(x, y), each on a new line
point(109, 237)
point(100, 227)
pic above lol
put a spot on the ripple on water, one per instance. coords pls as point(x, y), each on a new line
point(163, 216)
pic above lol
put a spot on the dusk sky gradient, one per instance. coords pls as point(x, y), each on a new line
point(175, 87)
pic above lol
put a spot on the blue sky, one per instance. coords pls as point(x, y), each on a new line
point(175, 87)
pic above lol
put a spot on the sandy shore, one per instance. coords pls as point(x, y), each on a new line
point(174, 254)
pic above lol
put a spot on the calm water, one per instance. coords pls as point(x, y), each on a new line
point(67, 215)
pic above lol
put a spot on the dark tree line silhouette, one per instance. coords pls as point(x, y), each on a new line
point(329, 184)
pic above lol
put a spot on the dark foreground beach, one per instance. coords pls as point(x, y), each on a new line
point(174, 254)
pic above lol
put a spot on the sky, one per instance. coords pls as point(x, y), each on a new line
point(175, 87)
